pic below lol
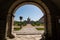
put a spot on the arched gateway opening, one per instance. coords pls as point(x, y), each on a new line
point(18, 4)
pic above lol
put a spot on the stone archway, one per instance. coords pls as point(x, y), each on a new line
point(39, 4)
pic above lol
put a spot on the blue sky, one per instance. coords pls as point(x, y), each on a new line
point(31, 11)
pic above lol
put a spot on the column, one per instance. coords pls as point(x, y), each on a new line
point(10, 24)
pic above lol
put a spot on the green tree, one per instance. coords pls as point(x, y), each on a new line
point(21, 21)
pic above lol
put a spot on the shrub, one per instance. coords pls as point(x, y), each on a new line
point(40, 28)
point(33, 24)
point(24, 23)
point(16, 29)
point(37, 23)
point(20, 24)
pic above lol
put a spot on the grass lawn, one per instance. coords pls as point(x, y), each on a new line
point(16, 29)
point(40, 28)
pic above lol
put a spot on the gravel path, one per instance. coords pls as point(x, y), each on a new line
point(29, 30)
point(27, 33)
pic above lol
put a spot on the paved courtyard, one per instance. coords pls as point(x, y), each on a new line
point(27, 37)
point(27, 33)
point(29, 29)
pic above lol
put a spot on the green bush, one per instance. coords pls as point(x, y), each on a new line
point(36, 24)
point(24, 23)
point(16, 29)
point(20, 24)
point(40, 28)
point(33, 24)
